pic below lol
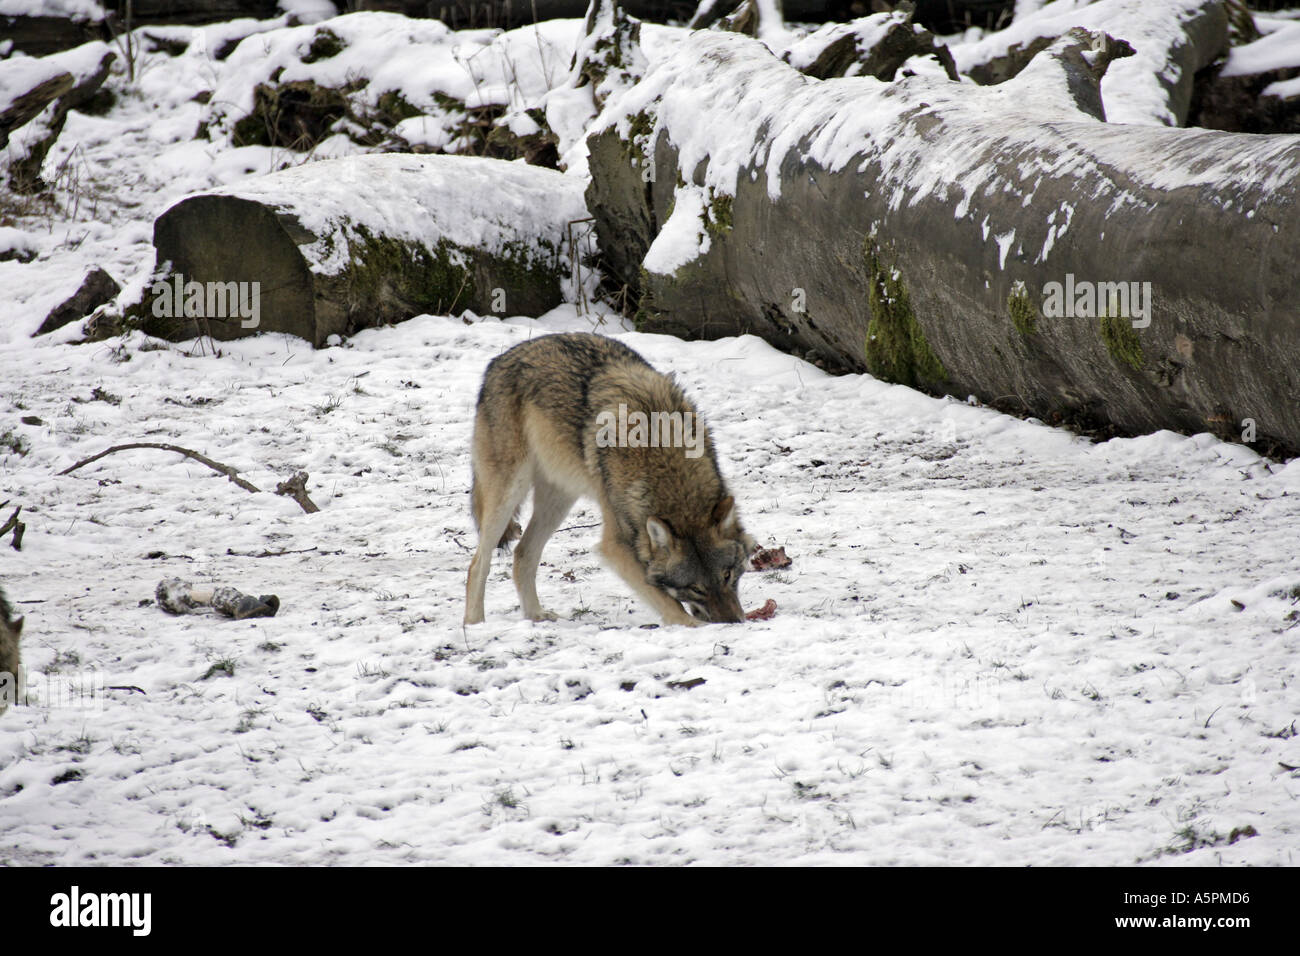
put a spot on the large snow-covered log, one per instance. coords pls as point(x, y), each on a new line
point(999, 241)
point(335, 246)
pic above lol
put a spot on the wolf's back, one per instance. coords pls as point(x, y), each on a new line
point(554, 374)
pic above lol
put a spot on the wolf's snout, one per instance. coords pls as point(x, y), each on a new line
point(725, 610)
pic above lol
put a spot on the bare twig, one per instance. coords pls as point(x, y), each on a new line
point(295, 487)
point(580, 527)
point(273, 554)
point(576, 258)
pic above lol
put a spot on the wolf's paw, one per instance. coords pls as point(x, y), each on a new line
point(682, 618)
point(542, 614)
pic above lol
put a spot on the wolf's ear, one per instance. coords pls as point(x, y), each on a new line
point(660, 536)
point(724, 513)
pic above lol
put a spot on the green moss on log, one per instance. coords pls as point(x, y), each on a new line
point(1121, 340)
point(525, 271)
point(1020, 304)
point(640, 127)
point(437, 280)
point(645, 308)
point(719, 214)
point(896, 349)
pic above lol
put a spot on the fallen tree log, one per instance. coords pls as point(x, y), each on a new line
point(31, 121)
point(1002, 241)
point(21, 102)
point(332, 247)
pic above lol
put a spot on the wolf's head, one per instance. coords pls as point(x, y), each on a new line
point(702, 568)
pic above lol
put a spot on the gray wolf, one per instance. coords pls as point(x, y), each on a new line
point(11, 630)
point(578, 415)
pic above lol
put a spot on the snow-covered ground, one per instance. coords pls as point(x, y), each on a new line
point(998, 643)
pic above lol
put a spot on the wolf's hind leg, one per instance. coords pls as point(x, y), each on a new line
point(499, 499)
point(550, 504)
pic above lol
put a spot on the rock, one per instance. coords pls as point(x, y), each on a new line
point(332, 247)
point(97, 288)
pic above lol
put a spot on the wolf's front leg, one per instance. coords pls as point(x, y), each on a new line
point(623, 561)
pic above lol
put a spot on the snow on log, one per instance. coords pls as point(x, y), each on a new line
point(331, 247)
point(999, 241)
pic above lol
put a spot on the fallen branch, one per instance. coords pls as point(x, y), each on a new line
point(295, 487)
point(188, 453)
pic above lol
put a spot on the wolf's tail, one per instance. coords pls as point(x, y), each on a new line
point(512, 531)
